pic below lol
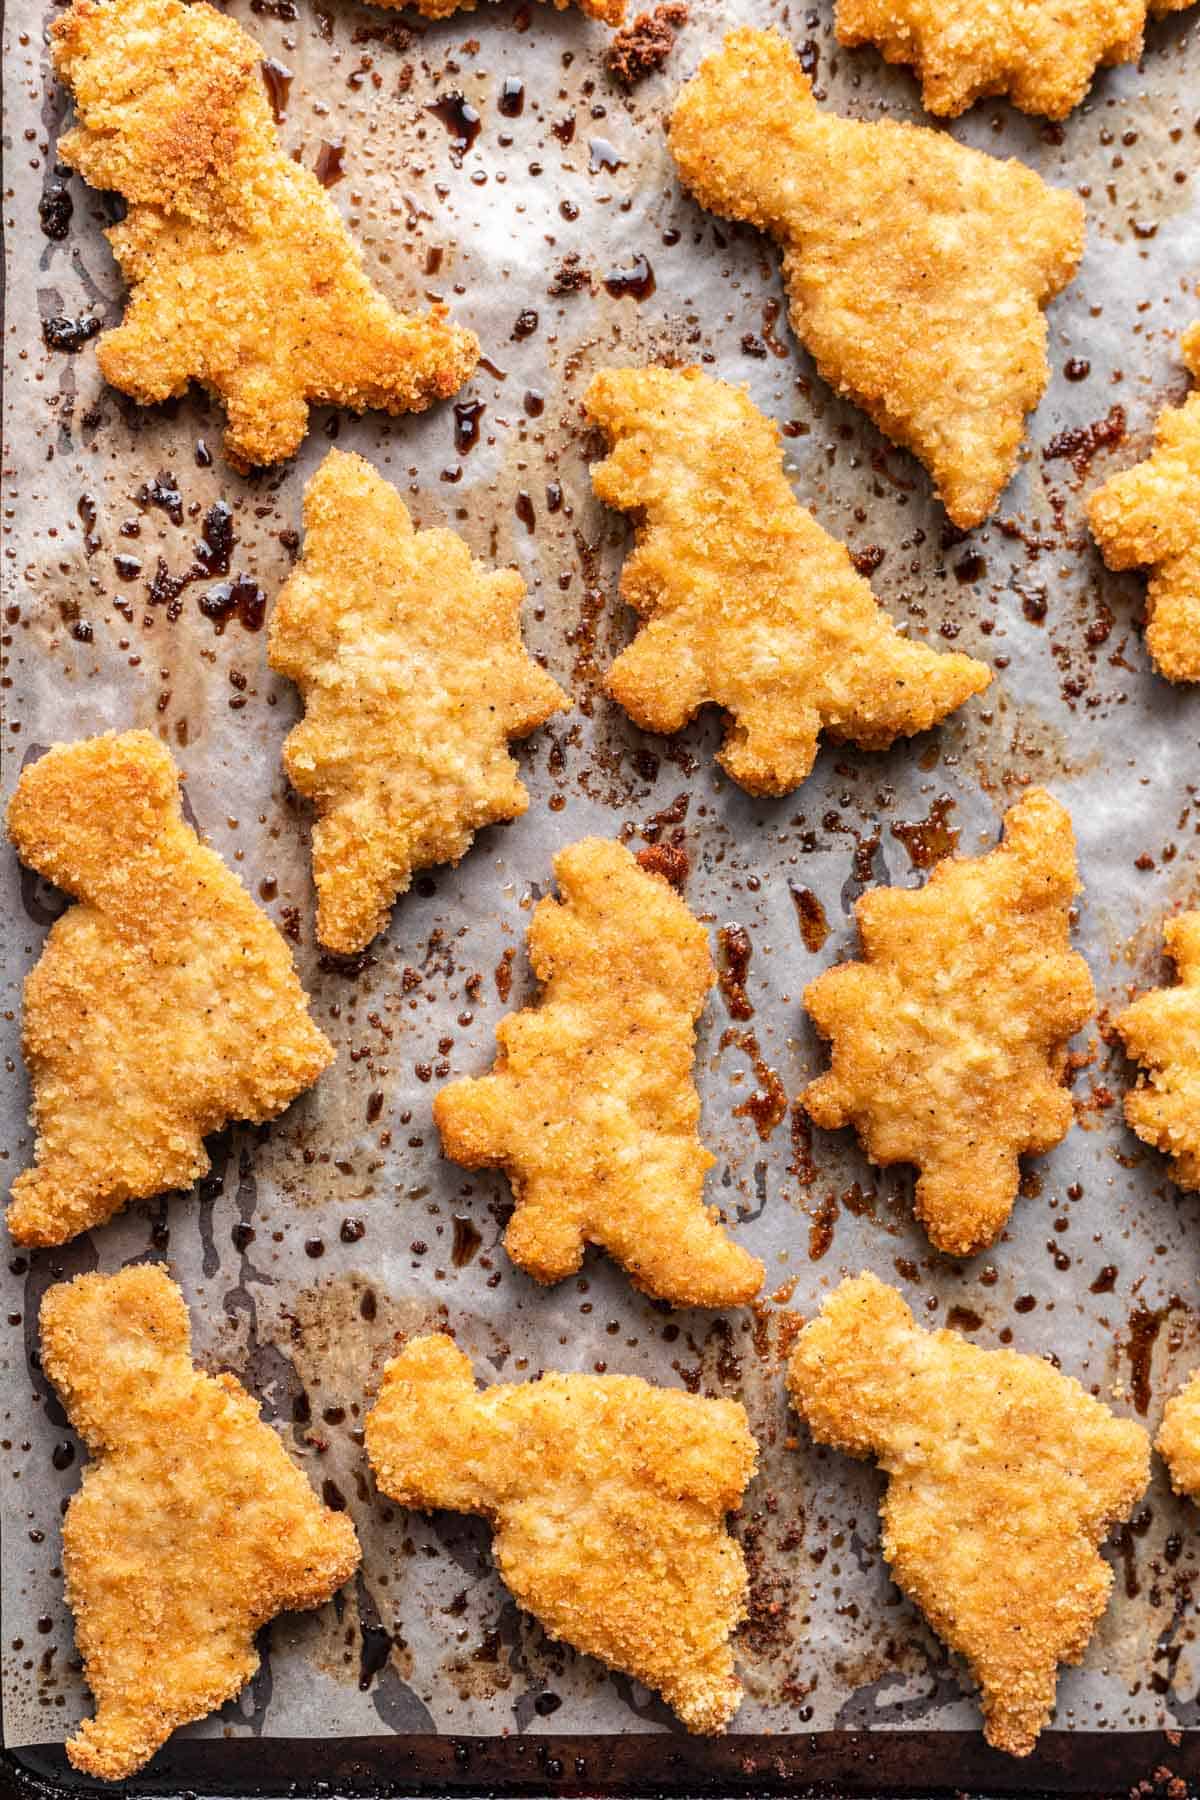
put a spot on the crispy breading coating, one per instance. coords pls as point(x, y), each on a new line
point(164, 1004)
point(607, 1497)
point(916, 268)
point(191, 1527)
point(1150, 516)
point(242, 274)
point(1161, 1031)
point(408, 653)
point(748, 603)
point(1042, 53)
point(591, 1108)
point(949, 1041)
point(1003, 1478)
point(1178, 1440)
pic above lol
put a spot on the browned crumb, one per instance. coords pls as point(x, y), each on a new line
point(242, 275)
point(591, 1106)
point(949, 1041)
point(747, 603)
point(1150, 516)
point(916, 267)
point(1042, 53)
point(164, 1004)
point(191, 1528)
point(607, 1496)
point(643, 46)
point(570, 277)
point(1003, 1478)
point(1161, 1031)
point(408, 653)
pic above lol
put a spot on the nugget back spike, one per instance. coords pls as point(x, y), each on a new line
point(1003, 1478)
point(916, 268)
point(949, 1039)
point(747, 602)
point(1042, 53)
point(191, 1527)
point(591, 1107)
point(607, 1496)
point(1161, 1031)
point(242, 275)
point(408, 653)
point(1149, 516)
point(164, 1005)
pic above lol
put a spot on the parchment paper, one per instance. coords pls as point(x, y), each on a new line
point(1099, 1264)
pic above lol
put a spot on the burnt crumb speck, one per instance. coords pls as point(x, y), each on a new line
point(868, 559)
point(671, 861)
point(1079, 445)
point(163, 492)
point(571, 277)
point(61, 333)
point(55, 209)
point(642, 47)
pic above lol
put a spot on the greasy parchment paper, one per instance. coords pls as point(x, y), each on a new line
point(1099, 1264)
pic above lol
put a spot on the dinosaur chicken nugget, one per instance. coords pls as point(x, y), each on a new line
point(165, 1003)
point(916, 268)
point(607, 1497)
point(191, 1527)
point(591, 1106)
point(746, 602)
point(1042, 53)
point(1003, 1476)
point(408, 653)
point(1149, 517)
point(949, 1038)
point(242, 275)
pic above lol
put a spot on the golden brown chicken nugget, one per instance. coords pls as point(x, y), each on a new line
point(191, 1527)
point(1178, 1440)
point(1003, 1478)
point(1161, 1031)
point(916, 268)
point(242, 274)
point(408, 653)
point(949, 1041)
point(1149, 516)
point(163, 1005)
point(607, 1497)
point(591, 1108)
point(1041, 53)
point(748, 604)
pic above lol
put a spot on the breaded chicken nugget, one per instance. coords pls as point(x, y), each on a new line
point(191, 1528)
point(591, 1108)
point(1003, 1477)
point(164, 1004)
point(242, 274)
point(607, 1497)
point(748, 603)
point(916, 267)
point(1150, 515)
point(1161, 1030)
point(408, 653)
point(1041, 53)
point(1178, 1440)
point(949, 1040)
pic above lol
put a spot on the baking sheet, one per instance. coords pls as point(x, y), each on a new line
point(315, 1240)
